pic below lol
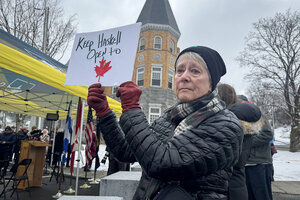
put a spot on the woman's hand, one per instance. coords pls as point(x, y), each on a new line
point(129, 94)
point(97, 100)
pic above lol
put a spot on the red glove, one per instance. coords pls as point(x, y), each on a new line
point(129, 94)
point(97, 100)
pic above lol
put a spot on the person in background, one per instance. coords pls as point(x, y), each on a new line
point(34, 134)
point(115, 165)
point(7, 142)
point(258, 167)
point(273, 151)
point(58, 146)
point(45, 137)
point(20, 136)
point(243, 99)
point(194, 144)
point(227, 94)
point(249, 115)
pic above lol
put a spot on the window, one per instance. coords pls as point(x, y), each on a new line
point(142, 44)
point(171, 46)
point(140, 76)
point(156, 76)
point(157, 42)
point(171, 78)
point(114, 89)
point(154, 113)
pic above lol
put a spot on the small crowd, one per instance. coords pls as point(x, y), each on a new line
point(212, 144)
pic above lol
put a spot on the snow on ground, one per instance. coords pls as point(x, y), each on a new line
point(282, 135)
point(286, 164)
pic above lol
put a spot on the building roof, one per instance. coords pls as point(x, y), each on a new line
point(158, 12)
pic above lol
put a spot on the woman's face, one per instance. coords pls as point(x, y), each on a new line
point(191, 79)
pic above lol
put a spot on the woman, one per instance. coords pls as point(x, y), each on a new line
point(237, 182)
point(193, 144)
point(45, 137)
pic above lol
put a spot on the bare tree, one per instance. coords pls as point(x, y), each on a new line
point(272, 53)
point(269, 101)
point(39, 23)
point(34, 21)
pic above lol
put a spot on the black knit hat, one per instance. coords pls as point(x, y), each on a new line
point(213, 60)
point(242, 97)
point(8, 128)
point(246, 111)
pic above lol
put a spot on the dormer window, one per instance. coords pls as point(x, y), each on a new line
point(157, 42)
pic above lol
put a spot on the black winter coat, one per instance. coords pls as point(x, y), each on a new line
point(200, 159)
point(248, 114)
point(257, 138)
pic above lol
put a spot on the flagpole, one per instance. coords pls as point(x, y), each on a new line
point(70, 190)
point(53, 144)
point(79, 147)
point(97, 159)
point(67, 134)
point(94, 182)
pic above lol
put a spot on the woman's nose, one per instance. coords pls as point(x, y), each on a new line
point(185, 76)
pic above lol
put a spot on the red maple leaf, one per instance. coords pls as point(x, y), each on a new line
point(102, 69)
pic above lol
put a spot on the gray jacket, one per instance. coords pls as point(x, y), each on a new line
point(260, 152)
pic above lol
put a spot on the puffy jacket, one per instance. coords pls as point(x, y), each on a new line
point(248, 114)
point(260, 152)
point(10, 140)
point(200, 159)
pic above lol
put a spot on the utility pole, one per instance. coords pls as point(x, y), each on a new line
point(45, 42)
point(45, 30)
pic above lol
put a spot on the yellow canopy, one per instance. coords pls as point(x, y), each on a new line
point(32, 87)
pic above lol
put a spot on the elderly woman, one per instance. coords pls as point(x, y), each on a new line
point(45, 137)
point(194, 144)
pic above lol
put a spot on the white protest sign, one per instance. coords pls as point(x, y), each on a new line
point(104, 56)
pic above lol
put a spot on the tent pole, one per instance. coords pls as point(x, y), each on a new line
point(53, 143)
point(79, 147)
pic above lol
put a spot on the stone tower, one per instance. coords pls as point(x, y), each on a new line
point(156, 54)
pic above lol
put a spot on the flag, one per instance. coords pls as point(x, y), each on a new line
point(89, 136)
point(67, 134)
point(75, 135)
point(98, 137)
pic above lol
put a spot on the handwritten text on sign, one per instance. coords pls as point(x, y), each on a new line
point(106, 56)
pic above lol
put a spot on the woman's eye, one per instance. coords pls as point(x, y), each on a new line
point(179, 71)
point(195, 71)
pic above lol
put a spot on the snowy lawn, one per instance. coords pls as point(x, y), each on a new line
point(286, 164)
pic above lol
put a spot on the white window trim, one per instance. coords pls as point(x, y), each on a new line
point(171, 69)
point(160, 42)
point(136, 79)
point(141, 42)
point(113, 88)
point(172, 42)
point(154, 106)
point(161, 68)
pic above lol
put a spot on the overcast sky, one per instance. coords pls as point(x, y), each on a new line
point(219, 24)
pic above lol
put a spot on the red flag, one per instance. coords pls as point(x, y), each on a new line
point(89, 136)
point(75, 134)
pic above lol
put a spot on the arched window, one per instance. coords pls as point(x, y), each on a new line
point(157, 42)
point(142, 44)
point(171, 46)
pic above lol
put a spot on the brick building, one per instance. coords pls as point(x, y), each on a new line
point(154, 64)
